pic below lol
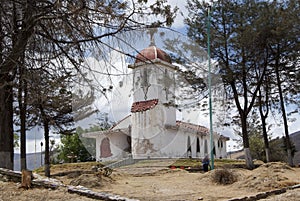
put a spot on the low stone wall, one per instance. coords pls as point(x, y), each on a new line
point(9, 175)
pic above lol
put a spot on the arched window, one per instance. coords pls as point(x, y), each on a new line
point(189, 148)
point(198, 145)
point(205, 147)
point(214, 149)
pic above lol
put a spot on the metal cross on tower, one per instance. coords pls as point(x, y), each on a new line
point(151, 33)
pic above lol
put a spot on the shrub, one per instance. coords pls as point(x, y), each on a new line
point(224, 176)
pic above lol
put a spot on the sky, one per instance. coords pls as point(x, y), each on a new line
point(118, 101)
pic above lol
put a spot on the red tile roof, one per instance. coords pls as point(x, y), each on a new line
point(143, 105)
point(116, 124)
point(194, 127)
point(151, 53)
point(197, 128)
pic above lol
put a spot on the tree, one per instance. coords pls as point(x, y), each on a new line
point(280, 87)
point(243, 33)
point(76, 147)
point(257, 135)
point(255, 132)
point(22, 104)
point(236, 46)
point(285, 49)
point(264, 107)
point(257, 146)
point(52, 34)
point(72, 149)
point(52, 102)
point(83, 148)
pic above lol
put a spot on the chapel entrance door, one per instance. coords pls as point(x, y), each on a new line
point(105, 150)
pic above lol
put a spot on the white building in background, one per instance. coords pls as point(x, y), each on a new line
point(151, 130)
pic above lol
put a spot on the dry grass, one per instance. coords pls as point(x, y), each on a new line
point(224, 176)
point(70, 166)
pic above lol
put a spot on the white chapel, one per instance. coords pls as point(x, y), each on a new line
point(151, 129)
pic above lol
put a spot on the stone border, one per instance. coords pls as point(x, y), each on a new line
point(40, 181)
point(83, 191)
point(264, 195)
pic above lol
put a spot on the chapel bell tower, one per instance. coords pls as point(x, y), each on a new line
point(153, 105)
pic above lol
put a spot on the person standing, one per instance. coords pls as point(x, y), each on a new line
point(205, 163)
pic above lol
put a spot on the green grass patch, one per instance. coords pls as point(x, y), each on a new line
point(218, 163)
point(187, 162)
point(69, 166)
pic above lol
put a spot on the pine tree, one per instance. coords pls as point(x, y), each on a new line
point(51, 102)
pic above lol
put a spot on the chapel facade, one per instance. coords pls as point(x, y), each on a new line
point(151, 129)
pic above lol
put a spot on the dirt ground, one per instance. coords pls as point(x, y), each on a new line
point(10, 191)
point(149, 180)
point(160, 183)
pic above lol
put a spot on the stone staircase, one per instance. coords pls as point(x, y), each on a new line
point(126, 161)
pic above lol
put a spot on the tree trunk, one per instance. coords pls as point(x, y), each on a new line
point(47, 161)
point(7, 70)
point(6, 125)
point(46, 136)
point(263, 116)
point(248, 157)
point(22, 98)
point(285, 124)
point(266, 140)
point(267, 150)
point(23, 139)
point(26, 179)
point(243, 118)
point(290, 157)
point(265, 134)
point(6, 108)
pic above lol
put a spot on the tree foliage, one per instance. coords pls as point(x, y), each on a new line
point(51, 100)
point(16, 140)
point(74, 147)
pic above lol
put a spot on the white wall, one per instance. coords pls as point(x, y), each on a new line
point(118, 144)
